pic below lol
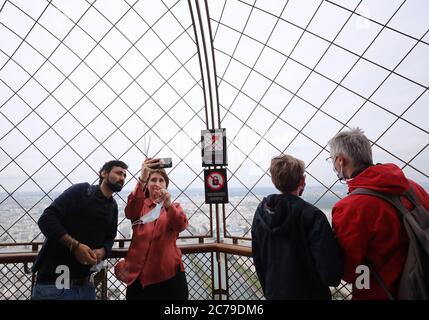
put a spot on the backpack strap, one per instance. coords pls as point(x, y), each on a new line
point(411, 195)
point(393, 200)
point(379, 279)
point(401, 210)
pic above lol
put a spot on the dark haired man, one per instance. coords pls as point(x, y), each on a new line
point(79, 226)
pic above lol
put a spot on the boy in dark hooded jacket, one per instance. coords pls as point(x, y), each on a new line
point(294, 250)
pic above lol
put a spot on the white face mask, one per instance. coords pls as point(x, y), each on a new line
point(152, 215)
point(341, 177)
point(96, 269)
point(340, 173)
point(99, 266)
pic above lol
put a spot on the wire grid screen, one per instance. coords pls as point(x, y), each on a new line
point(15, 282)
point(198, 274)
point(116, 289)
point(342, 292)
point(243, 283)
point(85, 82)
point(291, 74)
point(198, 267)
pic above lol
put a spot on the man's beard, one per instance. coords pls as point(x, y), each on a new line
point(114, 187)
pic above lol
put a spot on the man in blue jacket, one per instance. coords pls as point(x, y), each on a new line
point(294, 251)
point(80, 227)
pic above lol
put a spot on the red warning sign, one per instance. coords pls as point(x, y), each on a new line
point(216, 186)
point(215, 180)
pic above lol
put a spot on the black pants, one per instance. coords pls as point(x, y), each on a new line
point(175, 288)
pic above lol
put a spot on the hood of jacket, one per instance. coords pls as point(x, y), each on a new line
point(386, 178)
point(277, 212)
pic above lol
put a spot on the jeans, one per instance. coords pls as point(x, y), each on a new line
point(42, 291)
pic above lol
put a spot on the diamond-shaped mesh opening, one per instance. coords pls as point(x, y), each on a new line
point(242, 279)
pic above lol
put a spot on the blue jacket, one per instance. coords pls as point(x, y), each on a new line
point(294, 250)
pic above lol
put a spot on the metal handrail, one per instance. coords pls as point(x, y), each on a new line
point(26, 257)
point(117, 253)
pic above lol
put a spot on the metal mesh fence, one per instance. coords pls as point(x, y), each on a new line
point(105, 81)
point(243, 283)
point(115, 289)
point(342, 292)
point(292, 74)
point(16, 279)
point(87, 82)
point(242, 279)
point(76, 93)
point(198, 274)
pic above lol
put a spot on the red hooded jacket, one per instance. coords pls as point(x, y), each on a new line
point(369, 227)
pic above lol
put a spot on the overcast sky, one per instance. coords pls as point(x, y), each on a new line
point(83, 82)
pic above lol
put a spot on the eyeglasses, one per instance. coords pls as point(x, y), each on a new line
point(331, 158)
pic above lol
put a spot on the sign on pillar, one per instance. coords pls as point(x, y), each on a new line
point(215, 185)
point(213, 147)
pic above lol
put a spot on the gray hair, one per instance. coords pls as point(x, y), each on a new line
point(352, 144)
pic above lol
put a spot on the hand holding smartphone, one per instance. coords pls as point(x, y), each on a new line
point(163, 163)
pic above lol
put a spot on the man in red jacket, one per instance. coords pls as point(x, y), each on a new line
point(368, 228)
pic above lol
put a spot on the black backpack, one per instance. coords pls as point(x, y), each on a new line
point(414, 281)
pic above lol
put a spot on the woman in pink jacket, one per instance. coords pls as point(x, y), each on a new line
point(153, 268)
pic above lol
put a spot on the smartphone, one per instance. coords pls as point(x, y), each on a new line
point(164, 163)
